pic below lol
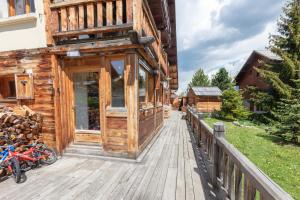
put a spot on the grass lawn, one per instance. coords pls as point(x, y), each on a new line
point(279, 161)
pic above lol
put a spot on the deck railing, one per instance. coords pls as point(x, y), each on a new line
point(82, 17)
point(231, 173)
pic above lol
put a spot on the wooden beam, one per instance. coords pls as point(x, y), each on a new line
point(103, 29)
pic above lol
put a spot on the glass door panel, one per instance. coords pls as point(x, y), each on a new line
point(86, 94)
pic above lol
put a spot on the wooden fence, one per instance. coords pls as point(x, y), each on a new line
point(231, 173)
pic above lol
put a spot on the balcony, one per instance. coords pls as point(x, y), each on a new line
point(83, 19)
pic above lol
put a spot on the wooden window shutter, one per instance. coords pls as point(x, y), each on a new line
point(24, 86)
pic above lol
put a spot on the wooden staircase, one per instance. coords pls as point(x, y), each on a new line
point(83, 149)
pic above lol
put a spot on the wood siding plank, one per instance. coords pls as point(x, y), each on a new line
point(90, 15)
point(109, 13)
point(100, 14)
point(81, 17)
point(73, 18)
point(119, 13)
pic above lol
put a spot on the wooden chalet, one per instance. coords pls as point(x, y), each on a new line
point(104, 76)
point(205, 99)
point(248, 76)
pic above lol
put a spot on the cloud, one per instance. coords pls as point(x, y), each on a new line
point(216, 33)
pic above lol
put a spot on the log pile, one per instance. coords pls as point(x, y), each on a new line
point(19, 124)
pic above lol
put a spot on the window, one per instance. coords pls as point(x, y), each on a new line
point(10, 8)
point(7, 88)
point(117, 83)
point(146, 88)
point(142, 85)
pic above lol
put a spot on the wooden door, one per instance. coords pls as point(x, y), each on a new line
point(85, 104)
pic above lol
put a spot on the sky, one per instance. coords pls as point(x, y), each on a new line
point(222, 33)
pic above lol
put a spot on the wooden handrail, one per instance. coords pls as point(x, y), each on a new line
point(228, 165)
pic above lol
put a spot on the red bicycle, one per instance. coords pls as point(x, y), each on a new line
point(34, 155)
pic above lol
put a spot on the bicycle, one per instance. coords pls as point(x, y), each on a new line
point(9, 163)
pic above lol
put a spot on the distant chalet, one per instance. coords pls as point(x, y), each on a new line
point(248, 76)
point(205, 99)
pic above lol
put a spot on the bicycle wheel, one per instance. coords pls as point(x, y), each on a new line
point(16, 170)
point(49, 156)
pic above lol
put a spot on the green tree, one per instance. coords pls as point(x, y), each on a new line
point(284, 76)
point(259, 98)
point(232, 105)
point(200, 79)
point(222, 79)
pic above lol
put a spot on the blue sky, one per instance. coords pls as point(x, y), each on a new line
point(222, 33)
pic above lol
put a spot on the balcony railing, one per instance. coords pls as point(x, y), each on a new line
point(85, 17)
point(230, 172)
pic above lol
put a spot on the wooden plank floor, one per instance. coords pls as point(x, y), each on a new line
point(168, 171)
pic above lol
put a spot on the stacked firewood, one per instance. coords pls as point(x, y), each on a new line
point(19, 124)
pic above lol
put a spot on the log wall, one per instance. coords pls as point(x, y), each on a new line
point(38, 62)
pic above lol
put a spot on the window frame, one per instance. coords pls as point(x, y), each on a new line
point(7, 88)
point(28, 8)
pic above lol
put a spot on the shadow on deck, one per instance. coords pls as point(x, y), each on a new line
point(170, 170)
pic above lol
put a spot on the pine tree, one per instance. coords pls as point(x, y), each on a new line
point(221, 80)
point(200, 79)
point(284, 76)
point(232, 105)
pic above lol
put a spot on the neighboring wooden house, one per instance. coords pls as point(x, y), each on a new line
point(205, 99)
point(101, 74)
point(248, 76)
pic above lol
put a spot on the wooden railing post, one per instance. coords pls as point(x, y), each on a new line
point(219, 131)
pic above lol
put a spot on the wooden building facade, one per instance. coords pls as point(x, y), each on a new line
point(248, 76)
point(103, 78)
point(204, 99)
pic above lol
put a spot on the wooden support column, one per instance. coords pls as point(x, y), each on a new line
point(51, 18)
point(57, 103)
point(103, 99)
point(132, 106)
point(218, 133)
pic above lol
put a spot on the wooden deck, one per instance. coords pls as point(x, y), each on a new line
point(168, 171)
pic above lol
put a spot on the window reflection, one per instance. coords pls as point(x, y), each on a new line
point(142, 85)
point(117, 83)
point(86, 91)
